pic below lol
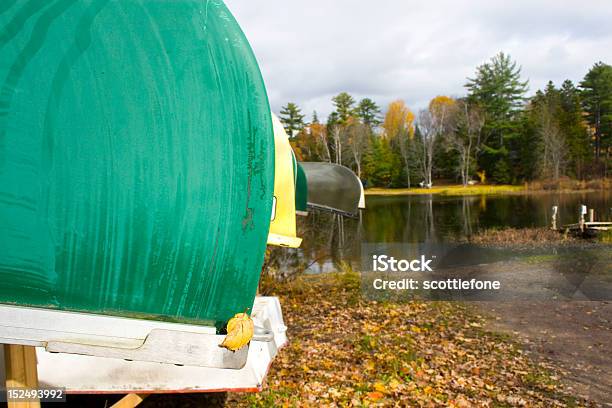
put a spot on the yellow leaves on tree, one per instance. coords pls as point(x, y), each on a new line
point(441, 107)
point(312, 142)
point(399, 120)
point(240, 330)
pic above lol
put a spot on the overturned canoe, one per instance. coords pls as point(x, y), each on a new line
point(301, 191)
point(136, 159)
point(283, 230)
point(333, 187)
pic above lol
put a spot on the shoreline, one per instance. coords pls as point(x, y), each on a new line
point(458, 191)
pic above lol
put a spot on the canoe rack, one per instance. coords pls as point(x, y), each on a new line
point(87, 368)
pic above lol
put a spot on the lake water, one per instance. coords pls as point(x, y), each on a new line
point(330, 239)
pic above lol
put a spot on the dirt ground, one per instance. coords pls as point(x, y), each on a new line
point(574, 336)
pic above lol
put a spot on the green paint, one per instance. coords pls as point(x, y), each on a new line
point(301, 190)
point(136, 159)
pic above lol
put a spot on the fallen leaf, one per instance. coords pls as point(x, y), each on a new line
point(240, 330)
point(380, 387)
point(375, 395)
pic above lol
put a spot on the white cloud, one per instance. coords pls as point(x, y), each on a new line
point(391, 49)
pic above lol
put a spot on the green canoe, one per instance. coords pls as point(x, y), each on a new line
point(136, 159)
point(301, 191)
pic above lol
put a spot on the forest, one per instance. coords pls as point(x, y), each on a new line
point(492, 134)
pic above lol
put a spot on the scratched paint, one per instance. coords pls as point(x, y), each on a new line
point(136, 159)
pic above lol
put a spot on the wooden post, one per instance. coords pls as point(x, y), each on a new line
point(21, 372)
point(591, 215)
point(583, 211)
point(554, 217)
point(130, 401)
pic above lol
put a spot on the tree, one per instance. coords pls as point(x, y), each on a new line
point(319, 134)
point(399, 128)
point(315, 117)
point(552, 149)
point(553, 143)
point(399, 120)
point(292, 119)
point(333, 129)
point(597, 103)
point(344, 107)
point(498, 89)
point(466, 136)
point(381, 165)
point(432, 123)
point(337, 133)
point(574, 127)
point(338, 120)
point(369, 113)
point(359, 134)
point(332, 120)
point(441, 107)
point(561, 136)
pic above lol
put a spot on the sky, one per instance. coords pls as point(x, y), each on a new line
point(309, 51)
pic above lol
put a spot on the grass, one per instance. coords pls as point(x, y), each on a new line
point(534, 237)
point(563, 185)
point(605, 237)
point(449, 190)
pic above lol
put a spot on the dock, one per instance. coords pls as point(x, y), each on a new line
point(584, 227)
point(589, 226)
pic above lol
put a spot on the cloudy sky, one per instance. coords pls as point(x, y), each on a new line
point(414, 50)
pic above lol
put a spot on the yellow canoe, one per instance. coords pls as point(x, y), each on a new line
point(282, 225)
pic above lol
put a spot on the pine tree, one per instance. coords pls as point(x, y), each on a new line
point(555, 109)
point(292, 119)
point(382, 166)
point(344, 104)
point(499, 91)
point(369, 113)
point(332, 120)
point(315, 117)
point(573, 125)
point(498, 88)
point(597, 103)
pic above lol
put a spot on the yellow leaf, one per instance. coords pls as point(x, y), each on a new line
point(380, 387)
point(239, 332)
point(394, 384)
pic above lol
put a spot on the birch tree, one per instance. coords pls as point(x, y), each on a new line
point(554, 145)
point(319, 133)
point(433, 123)
point(465, 136)
point(358, 137)
point(336, 132)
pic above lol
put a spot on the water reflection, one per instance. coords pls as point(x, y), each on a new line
point(441, 219)
point(331, 239)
